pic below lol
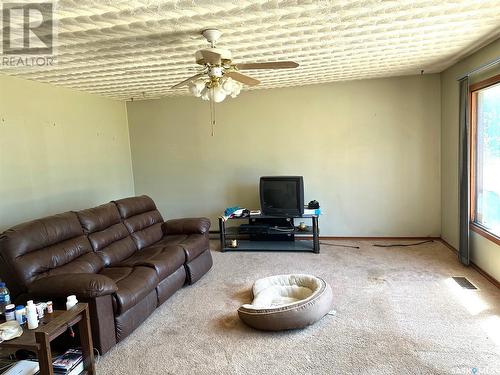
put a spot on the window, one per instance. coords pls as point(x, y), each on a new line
point(485, 158)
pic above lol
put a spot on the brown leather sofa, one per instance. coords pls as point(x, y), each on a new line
point(120, 257)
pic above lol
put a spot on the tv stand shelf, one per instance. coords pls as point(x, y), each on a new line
point(304, 240)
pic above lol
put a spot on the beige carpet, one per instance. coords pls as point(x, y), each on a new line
point(396, 313)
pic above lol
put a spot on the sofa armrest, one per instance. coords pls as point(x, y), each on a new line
point(199, 225)
point(84, 285)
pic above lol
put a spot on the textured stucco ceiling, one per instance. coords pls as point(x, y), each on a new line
point(139, 48)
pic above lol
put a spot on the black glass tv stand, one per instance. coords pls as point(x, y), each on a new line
point(304, 240)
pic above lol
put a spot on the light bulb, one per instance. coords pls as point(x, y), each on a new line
point(228, 85)
point(236, 89)
point(200, 83)
point(205, 92)
point(218, 94)
point(193, 89)
point(196, 87)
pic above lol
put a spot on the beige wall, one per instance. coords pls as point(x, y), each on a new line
point(484, 253)
point(59, 150)
point(369, 151)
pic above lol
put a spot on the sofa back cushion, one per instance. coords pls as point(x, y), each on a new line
point(142, 219)
point(107, 234)
point(44, 247)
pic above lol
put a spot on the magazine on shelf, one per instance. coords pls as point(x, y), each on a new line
point(69, 363)
point(66, 362)
point(75, 371)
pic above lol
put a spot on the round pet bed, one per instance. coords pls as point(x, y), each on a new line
point(287, 302)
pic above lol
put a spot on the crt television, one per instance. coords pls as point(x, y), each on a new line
point(282, 195)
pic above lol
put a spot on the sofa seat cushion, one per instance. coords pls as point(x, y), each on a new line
point(165, 260)
point(134, 284)
point(193, 244)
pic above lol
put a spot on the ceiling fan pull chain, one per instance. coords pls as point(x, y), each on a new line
point(212, 115)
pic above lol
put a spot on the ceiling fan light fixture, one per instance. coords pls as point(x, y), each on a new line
point(217, 93)
point(196, 87)
point(214, 88)
point(234, 94)
point(231, 87)
point(204, 93)
point(236, 89)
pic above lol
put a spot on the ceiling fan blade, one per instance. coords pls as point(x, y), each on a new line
point(210, 57)
point(268, 65)
point(243, 78)
point(186, 81)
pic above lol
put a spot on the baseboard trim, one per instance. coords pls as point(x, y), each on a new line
point(377, 238)
point(485, 274)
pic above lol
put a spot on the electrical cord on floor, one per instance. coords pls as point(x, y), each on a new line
point(403, 245)
point(339, 245)
point(97, 357)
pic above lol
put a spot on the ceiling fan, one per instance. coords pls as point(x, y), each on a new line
point(220, 76)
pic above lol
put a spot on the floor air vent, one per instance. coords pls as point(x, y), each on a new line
point(463, 282)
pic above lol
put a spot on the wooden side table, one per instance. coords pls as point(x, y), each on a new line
point(52, 326)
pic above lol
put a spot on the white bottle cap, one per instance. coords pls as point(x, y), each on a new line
point(30, 302)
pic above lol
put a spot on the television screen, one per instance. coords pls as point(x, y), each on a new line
point(282, 195)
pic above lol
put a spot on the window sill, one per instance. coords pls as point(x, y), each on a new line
point(484, 233)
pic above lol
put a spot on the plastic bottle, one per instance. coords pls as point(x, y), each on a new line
point(4, 297)
point(10, 312)
point(40, 310)
point(31, 315)
point(20, 314)
point(71, 301)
